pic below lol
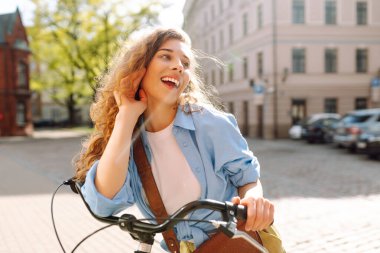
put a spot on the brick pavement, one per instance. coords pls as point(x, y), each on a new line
point(326, 200)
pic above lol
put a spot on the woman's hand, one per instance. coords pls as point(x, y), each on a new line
point(125, 98)
point(260, 212)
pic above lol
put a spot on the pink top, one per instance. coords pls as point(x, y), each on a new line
point(175, 180)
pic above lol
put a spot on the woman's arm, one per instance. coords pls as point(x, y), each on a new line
point(260, 211)
point(113, 165)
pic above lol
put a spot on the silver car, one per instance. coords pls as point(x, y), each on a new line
point(349, 128)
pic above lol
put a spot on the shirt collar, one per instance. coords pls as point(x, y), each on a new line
point(184, 119)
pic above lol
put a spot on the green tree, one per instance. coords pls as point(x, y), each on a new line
point(72, 42)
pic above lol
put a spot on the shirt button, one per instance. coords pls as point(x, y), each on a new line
point(198, 169)
point(184, 144)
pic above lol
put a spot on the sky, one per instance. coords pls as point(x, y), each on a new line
point(169, 17)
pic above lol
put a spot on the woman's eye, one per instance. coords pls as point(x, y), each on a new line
point(186, 64)
point(165, 57)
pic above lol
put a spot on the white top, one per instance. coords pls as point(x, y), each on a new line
point(175, 180)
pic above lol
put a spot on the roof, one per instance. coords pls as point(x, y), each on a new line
point(7, 22)
point(366, 111)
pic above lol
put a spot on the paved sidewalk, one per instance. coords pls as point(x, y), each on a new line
point(326, 200)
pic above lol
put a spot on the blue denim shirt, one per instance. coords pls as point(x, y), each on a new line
point(218, 155)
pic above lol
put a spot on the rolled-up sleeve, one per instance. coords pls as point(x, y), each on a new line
point(231, 152)
point(102, 205)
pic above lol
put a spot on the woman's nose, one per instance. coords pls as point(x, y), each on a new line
point(178, 66)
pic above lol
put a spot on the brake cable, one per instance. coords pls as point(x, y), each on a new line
point(67, 182)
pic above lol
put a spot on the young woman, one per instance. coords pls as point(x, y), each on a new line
point(195, 150)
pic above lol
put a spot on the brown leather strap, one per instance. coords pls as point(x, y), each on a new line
point(152, 193)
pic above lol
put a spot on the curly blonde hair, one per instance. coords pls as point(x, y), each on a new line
point(133, 57)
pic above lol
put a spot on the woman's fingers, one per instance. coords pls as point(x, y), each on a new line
point(235, 200)
point(260, 213)
point(129, 85)
point(138, 76)
point(251, 212)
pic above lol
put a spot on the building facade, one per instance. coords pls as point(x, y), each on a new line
point(15, 95)
point(287, 59)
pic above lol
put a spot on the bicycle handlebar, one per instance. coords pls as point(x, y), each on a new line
point(144, 232)
point(227, 209)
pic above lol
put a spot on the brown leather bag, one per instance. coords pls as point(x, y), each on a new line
point(218, 243)
point(221, 243)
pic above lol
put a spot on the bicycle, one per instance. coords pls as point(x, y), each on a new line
point(144, 232)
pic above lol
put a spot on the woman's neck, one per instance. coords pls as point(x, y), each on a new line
point(159, 117)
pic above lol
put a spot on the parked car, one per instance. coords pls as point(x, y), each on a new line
point(370, 145)
point(352, 125)
point(295, 132)
point(369, 140)
point(319, 130)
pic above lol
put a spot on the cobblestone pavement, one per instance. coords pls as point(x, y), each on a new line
point(326, 199)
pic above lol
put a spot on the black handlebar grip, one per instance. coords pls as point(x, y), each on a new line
point(241, 212)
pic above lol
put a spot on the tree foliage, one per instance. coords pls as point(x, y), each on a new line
point(72, 42)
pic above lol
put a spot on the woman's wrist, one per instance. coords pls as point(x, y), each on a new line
point(125, 114)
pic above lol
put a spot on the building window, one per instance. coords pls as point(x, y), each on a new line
point(245, 67)
point(213, 77)
point(260, 69)
point(221, 76)
point(221, 6)
point(20, 114)
point(331, 105)
point(230, 72)
point(360, 103)
point(298, 12)
point(231, 33)
point(245, 24)
point(330, 12)
point(361, 13)
point(205, 17)
point(361, 60)
point(212, 12)
point(259, 16)
point(298, 57)
point(330, 60)
point(22, 74)
point(221, 39)
point(206, 46)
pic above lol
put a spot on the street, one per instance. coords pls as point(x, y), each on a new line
point(326, 199)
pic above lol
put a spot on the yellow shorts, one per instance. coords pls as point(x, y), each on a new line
point(186, 247)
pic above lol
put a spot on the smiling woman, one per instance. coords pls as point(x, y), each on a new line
point(153, 96)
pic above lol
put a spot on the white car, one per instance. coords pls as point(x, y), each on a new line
point(295, 132)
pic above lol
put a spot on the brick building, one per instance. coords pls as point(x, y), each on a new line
point(15, 94)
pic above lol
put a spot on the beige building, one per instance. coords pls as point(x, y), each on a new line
point(286, 59)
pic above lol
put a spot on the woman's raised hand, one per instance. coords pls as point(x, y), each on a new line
point(125, 97)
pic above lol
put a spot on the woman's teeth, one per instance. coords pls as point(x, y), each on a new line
point(168, 79)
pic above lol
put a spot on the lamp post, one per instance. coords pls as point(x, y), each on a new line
point(260, 93)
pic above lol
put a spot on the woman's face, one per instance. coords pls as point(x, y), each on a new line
point(168, 73)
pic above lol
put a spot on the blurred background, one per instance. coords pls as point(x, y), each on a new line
point(302, 77)
point(283, 60)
